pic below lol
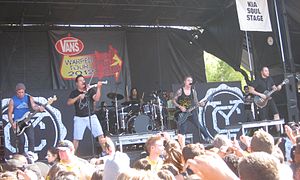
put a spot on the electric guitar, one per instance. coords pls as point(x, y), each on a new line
point(183, 116)
point(260, 102)
point(24, 122)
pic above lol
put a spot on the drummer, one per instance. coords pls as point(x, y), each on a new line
point(135, 100)
point(134, 95)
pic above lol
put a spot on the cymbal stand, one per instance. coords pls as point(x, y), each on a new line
point(153, 110)
point(160, 113)
point(107, 120)
point(122, 119)
point(117, 117)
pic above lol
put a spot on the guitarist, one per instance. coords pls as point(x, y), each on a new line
point(258, 87)
point(18, 106)
point(185, 98)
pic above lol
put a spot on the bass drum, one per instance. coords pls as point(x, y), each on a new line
point(139, 124)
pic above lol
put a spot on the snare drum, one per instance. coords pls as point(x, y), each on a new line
point(138, 124)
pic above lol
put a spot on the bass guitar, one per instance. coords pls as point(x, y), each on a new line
point(261, 102)
point(183, 116)
point(24, 122)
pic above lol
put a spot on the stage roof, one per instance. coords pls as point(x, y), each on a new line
point(121, 12)
point(203, 13)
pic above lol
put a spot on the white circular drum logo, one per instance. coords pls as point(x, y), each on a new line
point(223, 108)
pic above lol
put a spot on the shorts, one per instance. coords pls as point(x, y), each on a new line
point(81, 123)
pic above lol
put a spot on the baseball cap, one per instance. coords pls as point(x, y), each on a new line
point(20, 86)
point(65, 145)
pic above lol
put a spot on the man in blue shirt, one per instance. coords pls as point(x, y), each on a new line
point(18, 106)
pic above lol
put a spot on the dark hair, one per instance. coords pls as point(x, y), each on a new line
point(77, 77)
point(261, 68)
point(137, 94)
point(54, 151)
point(97, 175)
point(187, 76)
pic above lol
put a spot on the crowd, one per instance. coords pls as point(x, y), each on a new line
point(249, 158)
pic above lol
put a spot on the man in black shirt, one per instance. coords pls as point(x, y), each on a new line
point(261, 84)
point(184, 99)
point(83, 99)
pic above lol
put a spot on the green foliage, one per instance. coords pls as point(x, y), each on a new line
point(219, 71)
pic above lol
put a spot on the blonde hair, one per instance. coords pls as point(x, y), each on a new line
point(262, 141)
point(151, 141)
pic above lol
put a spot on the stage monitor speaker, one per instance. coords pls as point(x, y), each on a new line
point(286, 99)
point(291, 94)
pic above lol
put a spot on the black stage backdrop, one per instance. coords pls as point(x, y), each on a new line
point(159, 59)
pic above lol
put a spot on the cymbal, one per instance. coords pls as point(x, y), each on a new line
point(126, 103)
point(114, 96)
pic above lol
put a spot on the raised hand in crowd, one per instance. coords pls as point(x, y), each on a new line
point(210, 167)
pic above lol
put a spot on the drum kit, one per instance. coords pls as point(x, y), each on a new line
point(133, 116)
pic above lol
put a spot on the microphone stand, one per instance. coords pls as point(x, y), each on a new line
point(87, 96)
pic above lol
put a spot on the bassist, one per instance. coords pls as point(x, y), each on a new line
point(185, 98)
point(20, 104)
point(259, 86)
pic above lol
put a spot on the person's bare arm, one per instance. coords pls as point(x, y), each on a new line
point(210, 166)
point(289, 133)
point(175, 98)
point(72, 101)
point(97, 96)
point(10, 112)
point(35, 106)
point(254, 92)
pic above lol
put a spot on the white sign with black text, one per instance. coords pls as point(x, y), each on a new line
point(253, 15)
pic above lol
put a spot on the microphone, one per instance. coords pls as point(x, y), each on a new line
point(95, 85)
point(194, 82)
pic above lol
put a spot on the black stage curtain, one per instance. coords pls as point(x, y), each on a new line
point(293, 13)
point(159, 59)
point(223, 38)
point(24, 58)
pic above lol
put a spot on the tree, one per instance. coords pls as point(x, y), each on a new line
point(219, 71)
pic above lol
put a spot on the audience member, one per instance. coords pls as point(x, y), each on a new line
point(97, 175)
point(262, 141)
point(166, 175)
point(52, 156)
point(142, 164)
point(174, 154)
point(210, 166)
point(154, 147)
point(170, 167)
point(134, 174)
point(71, 162)
point(115, 162)
point(258, 166)
point(232, 162)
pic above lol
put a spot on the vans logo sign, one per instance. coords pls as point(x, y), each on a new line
point(69, 46)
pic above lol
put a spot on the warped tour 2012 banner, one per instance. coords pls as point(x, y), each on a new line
point(97, 55)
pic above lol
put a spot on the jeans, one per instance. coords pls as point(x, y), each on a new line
point(21, 140)
point(194, 119)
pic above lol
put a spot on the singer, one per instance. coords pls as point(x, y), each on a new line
point(83, 99)
point(185, 101)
